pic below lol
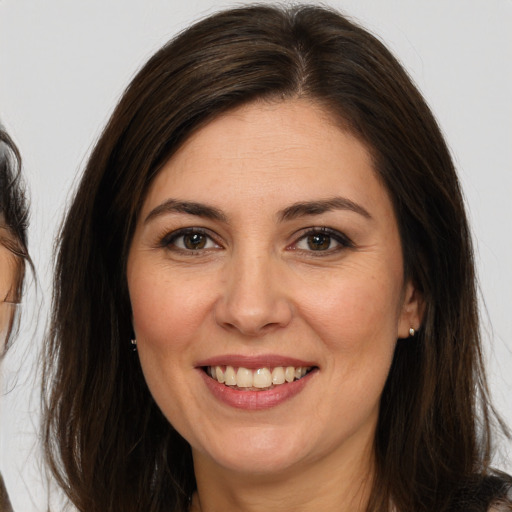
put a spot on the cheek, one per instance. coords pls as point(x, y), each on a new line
point(8, 271)
point(166, 310)
point(5, 321)
point(165, 321)
point(356, 321)
point(352, 313)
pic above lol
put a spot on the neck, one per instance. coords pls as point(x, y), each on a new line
point(330, 484)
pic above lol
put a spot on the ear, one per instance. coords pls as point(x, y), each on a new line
point(413, 307)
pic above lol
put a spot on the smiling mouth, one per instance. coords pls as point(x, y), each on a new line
point(257, 379)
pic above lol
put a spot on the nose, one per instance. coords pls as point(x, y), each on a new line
point(254, 299)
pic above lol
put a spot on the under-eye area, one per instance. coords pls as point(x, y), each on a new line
point(258, 378)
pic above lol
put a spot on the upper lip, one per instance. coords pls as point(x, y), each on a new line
point(252, 362)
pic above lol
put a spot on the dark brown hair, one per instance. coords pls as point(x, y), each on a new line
point(107, 443)
point(13, 216)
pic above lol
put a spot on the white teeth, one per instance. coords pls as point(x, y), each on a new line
point(219, 374)
point(278, 375)
point(289, 374)
point(244, 378)
point(230, 376)
point(260, 378)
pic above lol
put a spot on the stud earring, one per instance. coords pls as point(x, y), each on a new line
point(134, 344)
point(411, 332)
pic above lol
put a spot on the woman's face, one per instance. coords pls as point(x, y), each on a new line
point(7, 281)
point(267, 248)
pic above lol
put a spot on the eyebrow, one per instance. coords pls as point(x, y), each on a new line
point(303, 209)
point(294, 211)
point(188, 207)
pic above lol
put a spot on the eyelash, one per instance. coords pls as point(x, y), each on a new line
point(342, 241)
point(169, 240)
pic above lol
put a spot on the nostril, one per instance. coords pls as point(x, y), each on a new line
point(252, 330)
point(253, 320)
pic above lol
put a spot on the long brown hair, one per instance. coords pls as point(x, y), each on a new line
point(107, 443)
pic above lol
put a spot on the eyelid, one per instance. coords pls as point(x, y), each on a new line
point(168, 238)
point(343, 240)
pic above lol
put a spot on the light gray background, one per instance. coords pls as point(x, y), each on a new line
point(64, 63)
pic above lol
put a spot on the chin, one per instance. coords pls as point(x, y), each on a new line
point(267, 452)
point(257, 465)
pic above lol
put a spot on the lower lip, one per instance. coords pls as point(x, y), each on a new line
point(256, 400)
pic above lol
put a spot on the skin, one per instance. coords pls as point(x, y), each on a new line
point(7, 280)
point(259, 287)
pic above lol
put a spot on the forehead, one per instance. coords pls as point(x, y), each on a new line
point(288, 150)
point(270, 130)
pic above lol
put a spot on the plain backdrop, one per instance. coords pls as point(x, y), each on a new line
point(64, 64)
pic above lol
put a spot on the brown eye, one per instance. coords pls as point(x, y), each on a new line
point(319, 242)
point(194, 241)
point(323, 240)
point(189, 240)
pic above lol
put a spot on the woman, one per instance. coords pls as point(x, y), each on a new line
point(13, 250)
point(272, 223)
point(13, 233)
